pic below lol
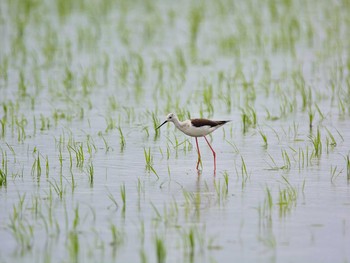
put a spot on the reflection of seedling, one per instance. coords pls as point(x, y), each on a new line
point(160, 249)
point(287, 198)
point(149, 161)
point(335, 173)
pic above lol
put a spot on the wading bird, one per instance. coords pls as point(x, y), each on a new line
point(196, 128)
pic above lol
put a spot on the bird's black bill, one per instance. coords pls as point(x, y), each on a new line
point(161, 125)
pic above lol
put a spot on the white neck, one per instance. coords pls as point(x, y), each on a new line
point(177, 123)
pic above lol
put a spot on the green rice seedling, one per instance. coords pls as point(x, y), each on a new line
point(286, 160)
point(111, 124)
point(45, 123)
point(156, 124)
point(317, 144)
point(264, 137)
point(341, 107)
point(287, 198)
point(3, 177)
point(3, 169)
point(123, 196)
point(160, 249)
point(76, 219)
point(73, 183)
point(243, 173)
point(77, 148)
point(140, 187)
point(58, 188)
point(167, 152)
point(36, 168)
point(295, 132)
point(311, 118)
point(217, 186)
point(188, 202)
point(169, 174)
point(143, 256)
point(161, 152)
point(234, 146)
point(3, 127)
point(139, 68)
point(91, 147)
point(195, 18)
point(90, 172)
point(287, 106)
point(122, 68)
point(330, 140)
point(22, 87)
point(107, 147)
point(308, 157)
point(148, 157)
point(226, 178)
point(319, 112)
point(4, 69)
point(149, 162)
point(207, 99)
point(341, 136)
point(122, 139)
point(130, 113)
point(68, 81)
point(106, 63)
point(274, 165)
point(145, 129)
point(181, 60)
point(269, 116)
point(347, 160)
point(112, 198)
point(265, 211)
point(301, 158)
point(88, 81)
point(112, 103)
point(268, 201)
point(249, 119)
point(189, 239)
point(21, 229)
point(21, 124)
point(158, 215)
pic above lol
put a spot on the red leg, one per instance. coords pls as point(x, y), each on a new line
point(214, 154)
point(199, 153)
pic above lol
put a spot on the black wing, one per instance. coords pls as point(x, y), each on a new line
point(205, 122)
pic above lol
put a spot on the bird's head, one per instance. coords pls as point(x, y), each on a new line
point(170, 118)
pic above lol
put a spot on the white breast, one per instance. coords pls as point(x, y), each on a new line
point(193, 131)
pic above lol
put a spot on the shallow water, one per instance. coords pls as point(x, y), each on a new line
point(76, 76)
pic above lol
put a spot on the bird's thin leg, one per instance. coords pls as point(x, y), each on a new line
point(214, 154)
point(199, 153)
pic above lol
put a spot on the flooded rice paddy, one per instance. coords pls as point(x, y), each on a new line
point(86, 177)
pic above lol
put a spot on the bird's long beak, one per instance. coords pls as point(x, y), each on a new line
point(161, 125)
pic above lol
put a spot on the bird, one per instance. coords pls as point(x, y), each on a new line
point(196, 128)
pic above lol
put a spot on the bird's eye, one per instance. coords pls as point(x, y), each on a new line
point(170, 117)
